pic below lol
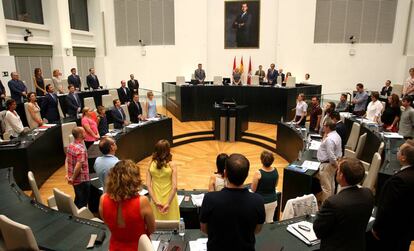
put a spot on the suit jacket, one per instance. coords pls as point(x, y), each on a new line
point(386, 91)
point(16, 89)
point(133, 86)
point(341, 130)
point(72, 104)
point(75, 81)
point(261, 74)
point(243, 31)
point(282, 76)
point(93, 83)
point(134, 111)
point(395, 218)
point(50, 108)
point(117, 118)
point(200, 75)
point(272, 77)
point(124, 97)
point(342, 220)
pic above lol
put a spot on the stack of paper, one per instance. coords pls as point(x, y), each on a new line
point(315, 145)
point(180, 199)
point(153, 119)
point(304, 231)
point(311, 165)
point(111, 134)
point(197, 199)
point(198, 245)
point(393, 135)
point(133, 125)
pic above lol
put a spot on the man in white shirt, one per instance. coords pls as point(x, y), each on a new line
point(374, 108)
point(408, 88)
point(328, 154)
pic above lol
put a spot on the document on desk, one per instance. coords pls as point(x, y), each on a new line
point(315, 145)
point(392, 135)
point(155, 244)
point(304, 231)
point(133, 125)
point(197, 199)
point(180, 199)
point(153, 119)
point(311, 165)
point(198, 245)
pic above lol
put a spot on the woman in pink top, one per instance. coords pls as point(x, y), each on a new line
point(90, 126)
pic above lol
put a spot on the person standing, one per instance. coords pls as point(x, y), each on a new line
point(135, 109)
point(272, 75)
point(162, 183)
point(340, 128)
point(237, 77)
point(18, 89)
point(34, 111)
point(360, 100)
point(315, 115)
point(50, 105)
point(151, 105)
point(200, 74)
point(408, 88)
point(92, 80)
point(103, 127)
point(374, 108)
point(39, 82)
point(77, 167)
point(124, 93)
point(57, 81)
point(103, 164)
point(328, 154)
point(406, 125)
point(232, 216)
point(74, 79)
point(118, 115)
point(261, 73)
point(393, 228)
point(242, 25)
point(301, 110)
point(342, 221)
point(392, 113)
point(387, 89)
point(90, 126)
point(133, 85)
point(217, 181)
point(342, 105)
point(73, 103)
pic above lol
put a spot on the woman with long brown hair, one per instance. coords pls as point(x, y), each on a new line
point(391, 115)
point(127, 214)
point(162, 183)
point(39, 82)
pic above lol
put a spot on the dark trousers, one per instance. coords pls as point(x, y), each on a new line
point(386, 245)
point(359, 113)
point(88, 144)
point(302, 123)
point(82, 191)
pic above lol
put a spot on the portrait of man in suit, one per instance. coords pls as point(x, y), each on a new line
point(242, 24)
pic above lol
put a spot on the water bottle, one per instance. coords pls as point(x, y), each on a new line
point(181, 227)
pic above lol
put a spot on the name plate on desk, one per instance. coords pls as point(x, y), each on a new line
point(297, 168)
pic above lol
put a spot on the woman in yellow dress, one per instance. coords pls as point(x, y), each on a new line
point(162, 183)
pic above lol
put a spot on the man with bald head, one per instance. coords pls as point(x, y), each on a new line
point(133, 85)
point(124, 93)
point(104, 163)
point(78, 169)
point(18, 90)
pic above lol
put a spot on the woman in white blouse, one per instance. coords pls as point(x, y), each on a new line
point(374, 108)
point(57, 81)
point(34, 111)
point(14, 125)
point(301, 110)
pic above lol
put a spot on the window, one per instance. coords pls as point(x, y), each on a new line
point(23, 10)
point(151, 21)
point(369, 21)
point(78, 10)
point(85, 59)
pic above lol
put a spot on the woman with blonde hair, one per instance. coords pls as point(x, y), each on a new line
point(127, 214)
point(151, 105)
point(57, 81)
point(162, 183)
point(90, 126)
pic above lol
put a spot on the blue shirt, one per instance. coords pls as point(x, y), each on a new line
point(362, 99)
point(102, 166)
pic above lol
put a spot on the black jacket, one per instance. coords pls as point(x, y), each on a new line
point(50, 108)
point(93, 83)
point(75, 81)
point(117, 118)
point(134, 111)
point(124, 97)
point(71, 104)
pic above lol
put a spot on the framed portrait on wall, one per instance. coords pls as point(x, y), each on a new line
point(241, 24)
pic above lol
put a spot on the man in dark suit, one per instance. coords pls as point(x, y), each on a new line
point(18, 90)
point(394, 224)
point(74, 80)
point(340, 128)
point(272, 75)
point(135, 109)
point(50, 105)
point(387, 89)
point(92, 80)
point(342, 220)
point(133, 85)
point(118, 115)
point(200, 74)
point(73, 102)
point(243, 24)
point(124, 93)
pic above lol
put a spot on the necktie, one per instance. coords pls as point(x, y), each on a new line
point(76, 99)
point(120, 111)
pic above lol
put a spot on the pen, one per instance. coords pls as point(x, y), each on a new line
point(307, 229)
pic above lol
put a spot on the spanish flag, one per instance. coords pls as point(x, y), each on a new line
point(241, 66)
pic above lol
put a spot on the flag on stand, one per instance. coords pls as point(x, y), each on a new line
point(241, 66)
point(249, 73)
point(234, 64)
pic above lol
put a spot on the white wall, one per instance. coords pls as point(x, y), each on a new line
point(331, 64)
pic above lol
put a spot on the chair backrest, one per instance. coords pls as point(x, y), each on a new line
point(300, 206)
point(180, 80)
point(397, 89)
point(64, 202)
point(360, 146)
point(66, 131)
point(65, 85)
point(353, 137)
point(381, 148)
point(193, 76)
point(89, 102)
point(107, 101)
point(279, 80)
point(291, 82)
point(167, 224)
point(255, 80)
point(371, 179)
point(114, 94)
point(217, 80)
point(125, 108)
point(33, 186)
point(61, 115)
point(17, 236)
point(145, 244)
point(29, 118)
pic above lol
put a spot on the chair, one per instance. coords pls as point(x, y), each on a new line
point(217, 80)
point(89, 102)
point(61, 115)
point(167, 224)
point(125, 108)
point(255, 80)
point(397, 89)
point(372, 175)
point(35, 190)
point(29, 118)
point(113, 93)
point(351, 144)
point(66, 131)
point(180, 80)
point(65, 204)
point(65, 85)
point(380, 150)
point(145, 244)
point(193, 77)
point(300, 206)
point(111, 126)
point(360, 146)
point(107, 100)
point(17, 236)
